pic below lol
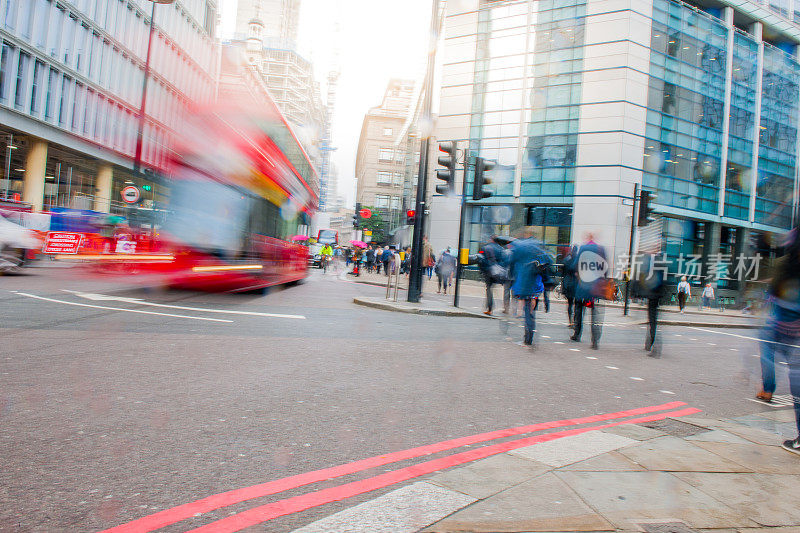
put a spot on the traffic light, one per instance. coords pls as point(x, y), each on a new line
point(410, 217)
point(447, 174)
point(147, 187)
point(645, 211)
point(482, 166)
point(357, 216)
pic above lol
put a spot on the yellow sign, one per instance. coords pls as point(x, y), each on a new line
point(367, 232)
point(464, 256)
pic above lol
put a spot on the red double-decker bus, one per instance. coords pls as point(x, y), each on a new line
point(240, 188)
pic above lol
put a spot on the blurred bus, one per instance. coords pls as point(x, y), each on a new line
point(239, 190)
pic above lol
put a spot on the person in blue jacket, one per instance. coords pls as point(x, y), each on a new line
point(530, 263)
point(591, 266)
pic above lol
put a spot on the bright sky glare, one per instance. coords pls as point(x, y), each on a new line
point(370, 42)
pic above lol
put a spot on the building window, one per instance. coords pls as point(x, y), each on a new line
point(386, 154)
point(36, 87)
point(63, 107)
point(382, 200)
point(384, 177)
point(42, 19)
point(5, 67)
point(387, 131)
point(398, 178)
point(50, 101)
point(11, 13)
point(22, 75)
point(395, 202)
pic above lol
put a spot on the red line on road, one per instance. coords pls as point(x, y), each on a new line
point(303, 502)
point(210, 503)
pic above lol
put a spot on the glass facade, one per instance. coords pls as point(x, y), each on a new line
point(79, 67)
point(685, 107)
point(777, 152)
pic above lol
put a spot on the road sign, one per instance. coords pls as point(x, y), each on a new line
point(367, 232)
point(62, 242)
point(365, 213)
point(130, 194)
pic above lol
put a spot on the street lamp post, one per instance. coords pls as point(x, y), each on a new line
point(137, 159)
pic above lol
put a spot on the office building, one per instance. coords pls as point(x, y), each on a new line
point(380, 157)
point(71, 78)
point(578, 101)
point(279, 18)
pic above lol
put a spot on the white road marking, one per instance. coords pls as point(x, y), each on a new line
point(743, 337)
point(612, 367)
point(678, 335)
point(711, 344)
point(666, 391)
point(692, 339)
point(636, 379)
point(783, 362)
point(733, 349)
point(139, 301)
point(545, 336)
point(754, 355)
point(574, 349)
point(123, 309)
point(590, 357)
point(558, 342)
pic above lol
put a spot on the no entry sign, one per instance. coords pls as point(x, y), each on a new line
point(130, 194)
point(62, 242)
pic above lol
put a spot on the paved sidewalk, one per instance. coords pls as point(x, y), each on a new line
point(477, 289)
point(669, 476)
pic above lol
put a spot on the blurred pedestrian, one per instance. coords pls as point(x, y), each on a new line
point(370, 258)
point(445, 267)
point(782, 330)
point(492, 269)
point(427, 260)
point(386, 257)
point(707, 296)
point(592, 270)
point(530, 264)
point(650, 285)
point(684, 293)
point(568, 282)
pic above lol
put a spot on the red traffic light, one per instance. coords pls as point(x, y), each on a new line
point(410, 213)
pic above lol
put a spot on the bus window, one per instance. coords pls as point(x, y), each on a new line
point(328, 236)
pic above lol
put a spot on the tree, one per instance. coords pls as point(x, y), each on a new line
point(375, 223)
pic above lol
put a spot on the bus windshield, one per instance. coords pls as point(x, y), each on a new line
point(328, 236)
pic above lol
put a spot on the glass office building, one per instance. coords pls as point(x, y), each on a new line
point(71, 78)
point(580, 100)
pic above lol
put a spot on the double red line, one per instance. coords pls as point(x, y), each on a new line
point(321, 497)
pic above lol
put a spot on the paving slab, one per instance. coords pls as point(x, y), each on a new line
point(541, 504)
point(770, 500)
point(790, 529)
point(635, 431)
point(756, 457)
point(405, 510)
point(567, 450)
point(788, 429)
point(780, 415)
point(718, 435)
point(489, 476)
point(675, 454)
point(608, 462)
point(625, 498)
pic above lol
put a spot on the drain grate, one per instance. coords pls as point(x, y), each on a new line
point(676, 428)
point(667, 527)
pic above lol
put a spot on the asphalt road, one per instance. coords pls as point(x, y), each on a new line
point(108, 415)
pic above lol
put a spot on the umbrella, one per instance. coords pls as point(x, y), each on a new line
point(299, 238)
point(359, 244)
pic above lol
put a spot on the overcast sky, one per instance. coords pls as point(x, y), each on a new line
point(370, 42)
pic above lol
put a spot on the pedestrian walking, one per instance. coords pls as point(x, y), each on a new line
point(781, 334)
point(428, 260)
point(684, 293)
point(492, 269)
point(650, 285)
point(386, 257)
point(530, 264)
point(370, 258)
point(707, 296)
point(445, 267)
point(591, 266)
point(568, 283)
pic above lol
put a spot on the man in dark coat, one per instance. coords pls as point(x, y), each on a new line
point(591, 267)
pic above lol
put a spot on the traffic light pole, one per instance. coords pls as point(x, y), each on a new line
point(461, 232)
point(415, 275)
point(634, 218)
